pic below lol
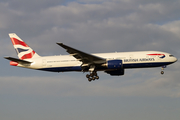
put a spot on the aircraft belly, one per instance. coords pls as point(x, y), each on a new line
point(61, 69)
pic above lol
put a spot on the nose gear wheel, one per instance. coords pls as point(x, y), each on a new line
point(162, 69)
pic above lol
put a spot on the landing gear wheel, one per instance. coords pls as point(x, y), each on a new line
point(89, 79)
point(97, 77)
point(162, 70)
point(95, 73)
point(91, 74)
point(87, 75)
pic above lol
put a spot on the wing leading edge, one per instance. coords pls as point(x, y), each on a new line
point(82, 56)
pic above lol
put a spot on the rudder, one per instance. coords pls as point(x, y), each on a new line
point(22, 49)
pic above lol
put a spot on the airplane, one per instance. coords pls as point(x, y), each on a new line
point(111, 63)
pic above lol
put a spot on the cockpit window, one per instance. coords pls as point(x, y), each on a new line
point(171, 56)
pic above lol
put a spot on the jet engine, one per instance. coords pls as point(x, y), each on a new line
point(114, 64)
point(115, 67)
point(116, 72)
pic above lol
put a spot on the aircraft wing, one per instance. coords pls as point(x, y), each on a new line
point(82, 56)
point(18, 60)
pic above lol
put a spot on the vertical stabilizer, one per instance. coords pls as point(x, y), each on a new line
point(22, 49)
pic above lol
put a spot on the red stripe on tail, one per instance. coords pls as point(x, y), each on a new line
point(18, 42)
point(28, 56)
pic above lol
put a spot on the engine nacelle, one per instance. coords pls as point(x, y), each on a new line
point(114, 64)
point(115, 67)
point(116, 72)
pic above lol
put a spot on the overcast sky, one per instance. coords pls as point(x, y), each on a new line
point(91, 26)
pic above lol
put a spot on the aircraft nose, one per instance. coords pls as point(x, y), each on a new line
point(175, 59)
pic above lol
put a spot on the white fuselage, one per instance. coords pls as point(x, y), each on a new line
point(111, 63)
point(64, 63)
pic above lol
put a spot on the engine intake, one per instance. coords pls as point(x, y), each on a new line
point(114, 64)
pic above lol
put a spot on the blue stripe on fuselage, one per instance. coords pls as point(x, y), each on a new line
point(125, 66)
point(62, 69)
point(145, 65)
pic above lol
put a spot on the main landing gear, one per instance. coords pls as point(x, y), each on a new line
point(162, 69)
point(92, 76)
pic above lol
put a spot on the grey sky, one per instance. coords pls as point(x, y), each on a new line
point(91, 26)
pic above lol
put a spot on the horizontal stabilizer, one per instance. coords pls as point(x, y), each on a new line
point(18, 60)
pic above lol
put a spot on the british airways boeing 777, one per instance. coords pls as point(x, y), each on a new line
point(111, 63)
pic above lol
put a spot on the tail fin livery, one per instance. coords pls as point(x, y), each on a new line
point(22, 49)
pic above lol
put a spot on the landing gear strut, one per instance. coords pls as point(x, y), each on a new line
point(162, 69)
point(92, 76)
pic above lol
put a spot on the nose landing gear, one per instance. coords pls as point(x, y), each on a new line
point(162, 69)
point(92, 76)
